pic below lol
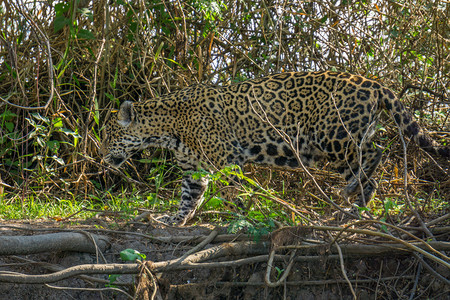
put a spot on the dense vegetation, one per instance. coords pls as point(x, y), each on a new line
point(65, 64)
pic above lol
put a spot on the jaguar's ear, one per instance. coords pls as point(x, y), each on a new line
point(126, 114)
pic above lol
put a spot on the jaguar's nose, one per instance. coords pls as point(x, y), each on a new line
point(117, 161)
point(114, 161)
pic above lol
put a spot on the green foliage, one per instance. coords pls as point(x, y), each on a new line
point(132, 255)
point(8, 126)
point(45, 136)
point(61, 9)
point(211, 11)
point(112, 278)
point(254, 229)
point(279, 272)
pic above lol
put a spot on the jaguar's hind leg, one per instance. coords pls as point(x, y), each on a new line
point(357, 171)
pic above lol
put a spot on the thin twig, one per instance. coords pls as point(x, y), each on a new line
point(344, 272)
point(113, 289)
point(405, 183)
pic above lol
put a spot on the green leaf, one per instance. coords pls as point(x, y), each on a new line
point(64, 69)
point(61, 8)
point(323, 19)
point(53, 146)
point(13, 72)
point(57, 123)
point(116, 75)
point(60, 22)
point(37, 116)
point(70, 132)
point(178, 64)
point(8, 115)
point(131, 255)
point(113, 277)
point(96, 112)
point(9, 126)
point(238, 225)
point(110, 97)
point(214, 203)
point(85, 34)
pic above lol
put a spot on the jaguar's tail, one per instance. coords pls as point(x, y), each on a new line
point(409, 125)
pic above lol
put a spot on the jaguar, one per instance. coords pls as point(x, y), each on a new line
point(287, 120)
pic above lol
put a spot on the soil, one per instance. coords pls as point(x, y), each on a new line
point(375, 277)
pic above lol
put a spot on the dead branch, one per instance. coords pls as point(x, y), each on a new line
point(425, 89)
point(62, 241)
point(221, 238)
point(257, 251)
point(57, 268)
point(86, 269)
point(294, 283)
point(90, 289)
point(226, 249)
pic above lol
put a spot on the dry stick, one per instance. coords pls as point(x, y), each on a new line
point(423, 88)
point(379, 278)
point(437, 220)
point(92, 106)
point(89, 289)
point(201, 245)
point(142, 284)
point(247, 248)
point(57, 268)
point(155, 285)
point(49, 62)
point(431, 270)
point(405, 183)
point(394, 227)
point(344, 273)
point(91, 237)
point(436, 163)
point(239, 50)
point(285, 273)
point(14, 277)
point(416, 281)
point(294, 283)
point(389, 237)
point(369, 250)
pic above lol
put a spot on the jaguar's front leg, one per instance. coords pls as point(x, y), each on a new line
point(192, 191)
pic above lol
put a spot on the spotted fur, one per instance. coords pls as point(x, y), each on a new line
point(326, 115)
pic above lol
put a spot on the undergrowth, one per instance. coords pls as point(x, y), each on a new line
point(64, 65)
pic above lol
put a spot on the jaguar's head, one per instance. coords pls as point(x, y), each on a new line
point(120, 137)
